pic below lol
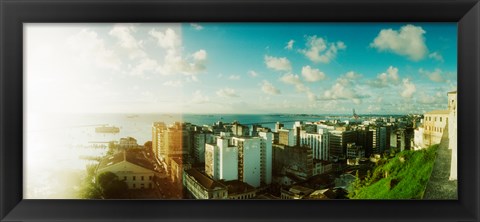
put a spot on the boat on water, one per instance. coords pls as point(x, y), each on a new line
point(107, 129)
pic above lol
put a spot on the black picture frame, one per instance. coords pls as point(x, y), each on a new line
point(13, 13)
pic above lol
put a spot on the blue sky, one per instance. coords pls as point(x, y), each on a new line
point(318, 68)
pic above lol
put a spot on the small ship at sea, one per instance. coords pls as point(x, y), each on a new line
point(107, 129)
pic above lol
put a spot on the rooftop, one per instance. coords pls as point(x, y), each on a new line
point(438, 112)
point(204, 180)
point(137, 158)
point(238, 187)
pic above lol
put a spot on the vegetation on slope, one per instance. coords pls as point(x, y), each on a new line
point(404, 176)
point(107, 186)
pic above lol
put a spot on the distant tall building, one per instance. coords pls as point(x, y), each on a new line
point(158, 139)
point(221, 159)
point(249, 159)
point(338, 142)
point(266, 157)
point(278, 126)
point(365, 139)
point(199, 141)
point(286, 137)
point(383, 138)
point(240, 130)
point(295, 160)
point(452, 132)
point(178, 139)
point(318, 142)
point(354, 151)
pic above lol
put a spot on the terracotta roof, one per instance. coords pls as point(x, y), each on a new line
point(111, 160)
point(136, 158)
point(238, 187)
point(203, 179)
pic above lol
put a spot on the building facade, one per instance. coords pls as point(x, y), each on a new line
point(434, 124)
point(318, 142)
point(452, 132)
point(200, 186)
point(130, 167)
point(221, 159)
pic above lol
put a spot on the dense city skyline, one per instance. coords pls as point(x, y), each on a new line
point(265, 68)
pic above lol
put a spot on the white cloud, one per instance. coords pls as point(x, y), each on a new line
point(312, 75)
point(167, 40)
point(428, 98)
point(390, 77)
point(176, 83)
point(200, 55)
point(436, 75)
point(436, 56)
point(88, 45)
point(268, 88)
point(345, 88)
point(234, 77)
point(408, 89)
point(227, 92)
point(320, 50)
point(198, 98)
point(124, 35)
point(352, 75)
point(311, 96)
point(252, 73)
point(143, 66)
point(293, 79)
point(196, 26)
point(279, 64)
point(408, 41)
point(290, 45)
point(174, 62)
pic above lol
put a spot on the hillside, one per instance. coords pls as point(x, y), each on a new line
point(404, 176)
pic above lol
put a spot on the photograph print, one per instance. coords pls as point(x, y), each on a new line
point(306, 111)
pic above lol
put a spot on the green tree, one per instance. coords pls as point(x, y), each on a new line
point(111, 186)
point(89, 189)
point(356, 186)
point(148, 145)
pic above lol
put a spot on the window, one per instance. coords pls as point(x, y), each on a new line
point(133, 185)
point(141, 178)
point(125, 178)
point(440, 119)
point(149, 177)
point(134, 178)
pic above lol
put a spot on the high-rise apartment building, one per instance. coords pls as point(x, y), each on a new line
point(158, 139)
point(318, 142)
point(338, 142)
point(221, 158)
point(266, 139)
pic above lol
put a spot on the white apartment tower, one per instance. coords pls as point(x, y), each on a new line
point(221, 159)
point(318, 142)
point(249, 167)
point(266, 139)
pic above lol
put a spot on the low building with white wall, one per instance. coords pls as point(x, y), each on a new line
point(131, 167)
point(434, 123)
